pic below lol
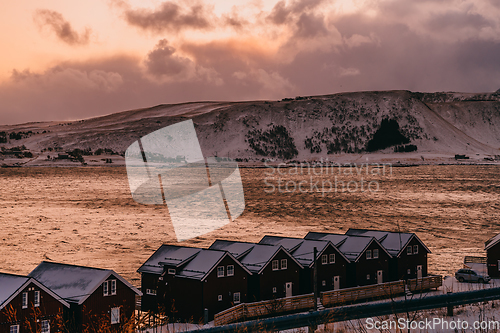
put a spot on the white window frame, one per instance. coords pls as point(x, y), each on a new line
point(105, 288)
point(415, 249)
point(375, 253)
point(219, 298)
point(324, 259)
point(25, 300)
point(230, 270)
point(274, 290)
point(275, 265)
point(113, 287)
point(323, 283)
point(45, 326)
point(151, 292)
point(37, 298)
point(220, 271)
point(236, 298)
point(368, 276)
point(115, 315)
point(368, 254)
point(171, 271)
point(408, 271)
point(409, 250)
point(284, 264)
point(14, 328)
point(332, 258)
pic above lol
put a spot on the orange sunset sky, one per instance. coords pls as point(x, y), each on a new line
point(64, 60)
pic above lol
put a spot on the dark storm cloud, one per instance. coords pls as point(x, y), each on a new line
point(310, 25)
point(172, 17)
point(61, 27)
point(282, 12)
point(458, 20)
point(162, 61)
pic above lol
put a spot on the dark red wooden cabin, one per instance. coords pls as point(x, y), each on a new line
point(182, 282)
point(492, 247)
point(331, 263)
point(98, 298)
point(26, 305)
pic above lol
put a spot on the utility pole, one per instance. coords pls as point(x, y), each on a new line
point(315, 279)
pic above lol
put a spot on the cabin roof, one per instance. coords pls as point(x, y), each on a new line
point(255, 257)
point(300, 249)
point(393, 242)
point(236, 248)
point(74, 283)
point(351, 246)
point(12, 285)
point(492, 242)
point(168, 255)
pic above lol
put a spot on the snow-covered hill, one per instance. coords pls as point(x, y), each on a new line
point(332, 127)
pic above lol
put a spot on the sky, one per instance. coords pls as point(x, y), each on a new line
point(65, 60)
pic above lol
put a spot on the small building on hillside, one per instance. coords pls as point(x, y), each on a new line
point(99, 298)
point(369, 260)
point(331, 263)
point(275, 272)
point(409, 253)
point(182, 282)
point(492, 248)
point(26, 305)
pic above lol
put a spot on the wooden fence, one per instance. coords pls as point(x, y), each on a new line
point(261, 309)
point(246, 311)
point(352, 295)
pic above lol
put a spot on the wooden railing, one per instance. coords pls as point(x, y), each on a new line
point(351, 295)
point(246, 311)
point(261, 309)
point(475, 260)
point(428, 282)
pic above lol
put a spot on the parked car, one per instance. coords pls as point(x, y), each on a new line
point(470, 275)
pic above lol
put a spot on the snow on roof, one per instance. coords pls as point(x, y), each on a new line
point(301, 249)
point(9, 285)
point(259, 256)
point(73, 283)
point(393, 242)
point(167, 255)
point(492, 242)
point(201, 264)
point(234, 247)
point(336, 239)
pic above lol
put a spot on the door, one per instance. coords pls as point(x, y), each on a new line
point(380, 278)
point(288, 289)
point(336, 282)
point(498, 263)
point(419, 271)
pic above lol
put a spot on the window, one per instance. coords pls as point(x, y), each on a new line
point(14, 329)
point(25, 300)
point(332, 258)
point(368, 276)
point(113, 287)
point(323, 283)
point(151, 292)
point(408, 250)
point(45, 326)
point(236, 298)
point(283, 264)
point(324, 259)
point(415, 249)
point(105, 291)
point(274, 290)
point(160, 278)
point(115, 315)
point(230, 270)
point(368, 254)
point(37, 298)
point(220, 271)
point(275, 265)
point(219, 298)
point(408, 271)
point(171, 271)
point(375, 254)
